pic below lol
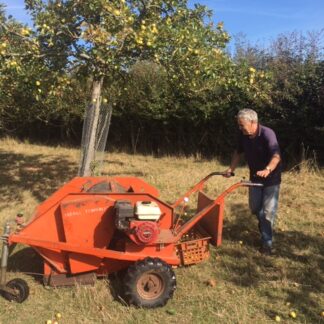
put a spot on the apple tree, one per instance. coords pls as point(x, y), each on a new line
point(104, 39)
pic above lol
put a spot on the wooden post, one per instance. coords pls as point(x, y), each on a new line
point(89, 148)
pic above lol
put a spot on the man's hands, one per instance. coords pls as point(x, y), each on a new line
point(263, 173)
point(234, 163)
point(270, 167)
point(228, 173)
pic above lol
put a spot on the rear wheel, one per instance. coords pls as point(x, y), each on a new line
point(149, 283)
point(21, 290)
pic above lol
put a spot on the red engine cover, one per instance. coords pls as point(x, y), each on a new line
point(144, 232)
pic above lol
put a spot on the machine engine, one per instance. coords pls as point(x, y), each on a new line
point(139, 222)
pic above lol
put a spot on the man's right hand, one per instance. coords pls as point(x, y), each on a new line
point(228, 173)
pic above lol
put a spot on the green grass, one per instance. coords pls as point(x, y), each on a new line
point(250, 288)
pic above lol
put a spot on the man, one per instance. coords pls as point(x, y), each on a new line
point(260, 147)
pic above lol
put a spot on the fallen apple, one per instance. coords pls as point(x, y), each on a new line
point(293, 314)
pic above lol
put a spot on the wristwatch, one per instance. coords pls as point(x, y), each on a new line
point(269, 169)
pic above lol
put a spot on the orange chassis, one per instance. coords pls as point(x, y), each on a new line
point(75, 233)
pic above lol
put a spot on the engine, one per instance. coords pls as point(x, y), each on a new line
point(140, 223)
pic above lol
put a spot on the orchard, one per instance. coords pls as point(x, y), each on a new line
point(163, 67)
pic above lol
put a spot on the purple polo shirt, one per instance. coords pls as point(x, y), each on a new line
point(258, 153)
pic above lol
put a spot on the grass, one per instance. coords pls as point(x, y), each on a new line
point(250, 288)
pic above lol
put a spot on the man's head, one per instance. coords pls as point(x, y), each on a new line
point(247, 120)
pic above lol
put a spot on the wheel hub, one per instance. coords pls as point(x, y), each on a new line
point(150, 286)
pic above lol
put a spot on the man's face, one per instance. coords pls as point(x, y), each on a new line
point(247, 127)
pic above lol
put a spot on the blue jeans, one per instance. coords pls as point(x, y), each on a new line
point(263, 202)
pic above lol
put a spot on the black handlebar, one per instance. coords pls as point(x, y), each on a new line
point(232, 174)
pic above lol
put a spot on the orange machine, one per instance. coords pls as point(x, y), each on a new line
point(94, 226)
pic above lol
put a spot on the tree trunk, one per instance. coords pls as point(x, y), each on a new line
point(89, 140)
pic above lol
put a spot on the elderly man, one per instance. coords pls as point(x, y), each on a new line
point(261, 150)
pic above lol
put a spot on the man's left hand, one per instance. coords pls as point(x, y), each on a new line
point(263, 173)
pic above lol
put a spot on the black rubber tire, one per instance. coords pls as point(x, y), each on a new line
point(136, 291)
point(22, 289)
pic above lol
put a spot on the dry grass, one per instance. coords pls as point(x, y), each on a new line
point(250, 288)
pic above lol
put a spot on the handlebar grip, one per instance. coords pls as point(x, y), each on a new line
point(251, 184)
point(232, 174)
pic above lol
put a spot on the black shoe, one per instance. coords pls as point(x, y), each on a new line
point(265, 250)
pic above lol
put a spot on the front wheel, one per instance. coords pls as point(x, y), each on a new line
point(149, 283)
point(20, 288)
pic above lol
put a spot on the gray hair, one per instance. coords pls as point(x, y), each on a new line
point(248, 114)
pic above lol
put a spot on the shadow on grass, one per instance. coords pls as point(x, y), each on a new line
point(298, 262)
point(120, 163)
point(131, 174)
point(19, 172)
point(27, 261)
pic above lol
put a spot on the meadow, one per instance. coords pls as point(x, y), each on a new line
point(236, 285)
